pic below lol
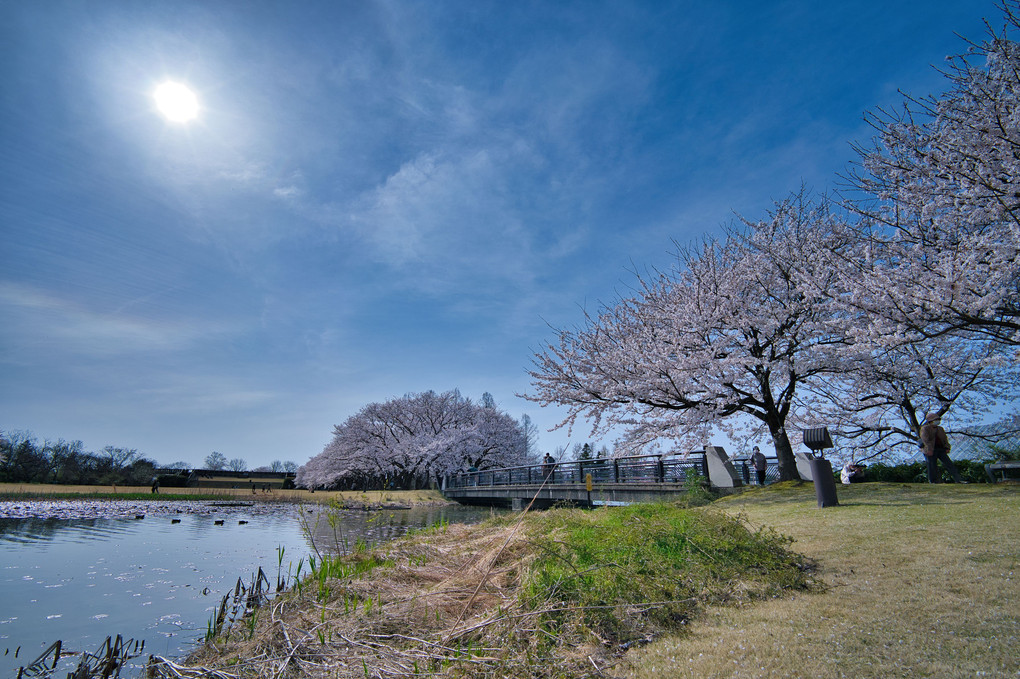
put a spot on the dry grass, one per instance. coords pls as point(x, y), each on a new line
point(371, 497)
point(922, 582)
point(398, 625)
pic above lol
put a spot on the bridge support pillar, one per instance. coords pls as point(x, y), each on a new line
point(517, 504)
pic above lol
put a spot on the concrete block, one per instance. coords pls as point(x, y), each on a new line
point(804, 465)
point(721, 472)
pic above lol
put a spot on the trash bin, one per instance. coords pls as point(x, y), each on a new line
point(825, 482)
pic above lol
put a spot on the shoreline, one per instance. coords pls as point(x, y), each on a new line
point(368, 500)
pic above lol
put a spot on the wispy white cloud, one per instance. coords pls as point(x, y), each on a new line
point(207, 395)
point(39, 322)
point(288, 192)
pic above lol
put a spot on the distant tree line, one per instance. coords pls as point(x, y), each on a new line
point(218, 461)
point(23, 459)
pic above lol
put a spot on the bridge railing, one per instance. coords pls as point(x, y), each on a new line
point(634, 469)
point(747, 474)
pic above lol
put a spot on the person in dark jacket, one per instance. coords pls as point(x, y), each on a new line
point(935, 445)
point(548, 465)
point(761, 465)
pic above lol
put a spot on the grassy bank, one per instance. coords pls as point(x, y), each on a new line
point(561, 593)
point(921, 581)
point(898, 581)
point(32, 491)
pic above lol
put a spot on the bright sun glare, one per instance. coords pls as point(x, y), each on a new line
point(176, 102)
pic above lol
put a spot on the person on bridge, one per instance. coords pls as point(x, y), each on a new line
point(548, 465)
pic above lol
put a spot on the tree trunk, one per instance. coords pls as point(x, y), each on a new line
point(784, 453)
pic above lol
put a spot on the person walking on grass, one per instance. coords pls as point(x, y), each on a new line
point(935, 445)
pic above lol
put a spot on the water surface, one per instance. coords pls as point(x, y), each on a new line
point(157, 578)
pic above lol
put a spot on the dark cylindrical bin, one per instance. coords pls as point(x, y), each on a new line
point(825, 482)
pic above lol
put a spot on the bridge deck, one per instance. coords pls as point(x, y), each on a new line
point(571, 493)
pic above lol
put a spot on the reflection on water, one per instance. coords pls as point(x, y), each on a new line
point(378, 526)
point(159, 578)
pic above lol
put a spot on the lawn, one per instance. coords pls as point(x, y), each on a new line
point(921, 581)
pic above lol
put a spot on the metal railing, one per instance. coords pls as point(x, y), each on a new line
point(749, 476)
point(635, 469)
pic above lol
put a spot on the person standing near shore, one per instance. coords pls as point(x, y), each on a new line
point(935, 445)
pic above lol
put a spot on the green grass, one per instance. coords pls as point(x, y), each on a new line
point(664, 559)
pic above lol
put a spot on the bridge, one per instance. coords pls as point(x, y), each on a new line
point(603, 481)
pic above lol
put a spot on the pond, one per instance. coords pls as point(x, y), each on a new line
point(80, 572)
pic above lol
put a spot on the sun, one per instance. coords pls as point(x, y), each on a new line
point(176, 102)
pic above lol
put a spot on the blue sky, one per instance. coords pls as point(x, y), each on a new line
point(386, 197)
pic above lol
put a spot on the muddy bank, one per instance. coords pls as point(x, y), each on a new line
point(18, 501)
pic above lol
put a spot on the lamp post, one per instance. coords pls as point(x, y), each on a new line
point(821, 470)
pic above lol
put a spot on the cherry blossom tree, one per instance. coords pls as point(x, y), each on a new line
point(413, 439)
point(884, 382)
point(877, 403)
point(929, 279)
point(903, 309)
point(728, 334)
point(939, 190)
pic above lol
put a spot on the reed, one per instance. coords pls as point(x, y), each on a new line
point(107, 661)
